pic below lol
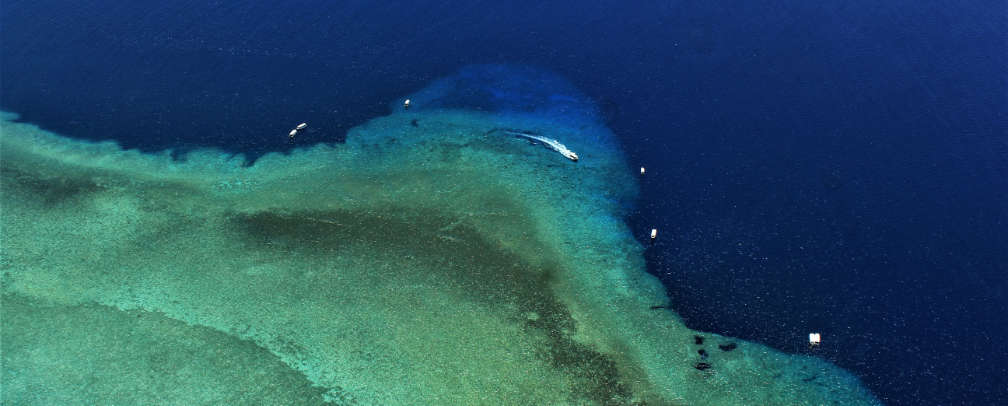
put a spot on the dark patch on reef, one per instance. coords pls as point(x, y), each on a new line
point(702, 366)
point(488, 274)
point(50, 190)
point(702, 352)
point(598, 370)
point(727, 347)
point(698, 340)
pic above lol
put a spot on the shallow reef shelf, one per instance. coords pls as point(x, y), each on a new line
point(428, 260)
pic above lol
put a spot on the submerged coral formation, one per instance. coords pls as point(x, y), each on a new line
point(424, 261)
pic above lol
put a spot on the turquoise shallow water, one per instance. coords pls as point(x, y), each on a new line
point(428, 260)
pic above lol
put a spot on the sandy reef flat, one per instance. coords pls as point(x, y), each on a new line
point(427, 260)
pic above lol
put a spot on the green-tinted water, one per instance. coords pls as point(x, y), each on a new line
point(422, 262)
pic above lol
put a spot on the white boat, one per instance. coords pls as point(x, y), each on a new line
point(549, 142)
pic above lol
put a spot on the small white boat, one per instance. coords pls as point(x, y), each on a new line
point(301, 126)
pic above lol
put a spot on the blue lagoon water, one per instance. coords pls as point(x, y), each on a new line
point(837, 167)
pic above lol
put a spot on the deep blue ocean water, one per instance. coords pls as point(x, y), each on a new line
point(839, 167)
